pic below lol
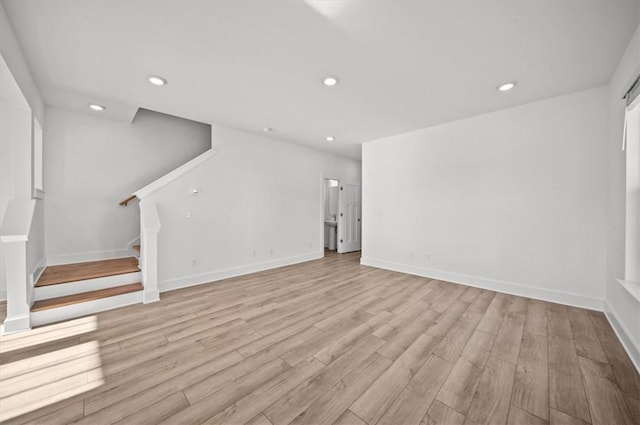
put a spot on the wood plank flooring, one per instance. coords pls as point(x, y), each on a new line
point(53, 275)
point(323, 342)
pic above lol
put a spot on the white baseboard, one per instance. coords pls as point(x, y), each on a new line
point(130, 245)
point(133, 242)
point(171, 284)
point(623, 335)
point(88, 256)
point(511, 288)
point(35, 275)
point(16, 324)
point(150, 296)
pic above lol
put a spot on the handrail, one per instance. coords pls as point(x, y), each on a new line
point(124, 202)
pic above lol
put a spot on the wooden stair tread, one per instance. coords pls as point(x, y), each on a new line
point(136, 248)
point(54, 275)
point(85, 296)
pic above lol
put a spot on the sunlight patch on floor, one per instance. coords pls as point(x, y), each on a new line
point(33, 383)
point(46, 334)
point(47, 365)
point(31, 363)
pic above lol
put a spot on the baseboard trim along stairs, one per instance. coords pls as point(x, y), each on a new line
point(73, 290)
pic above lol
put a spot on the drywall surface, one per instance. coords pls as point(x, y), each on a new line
point(16, 166)
point(12, 55)
point(92, 163)
point(259, 205)
point(623, 310)
point(512, 200)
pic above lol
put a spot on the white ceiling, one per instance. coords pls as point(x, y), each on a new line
point(403, 65)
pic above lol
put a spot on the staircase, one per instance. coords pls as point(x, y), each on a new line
point(73, 290)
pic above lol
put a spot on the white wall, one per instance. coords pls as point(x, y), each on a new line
point(16, 140)
point(16, 166)
point(92, 163)
point(15, 160)
point(11, 53)
point(260, 206)
point(622, 309)
point(512, 200)
point(12, 184)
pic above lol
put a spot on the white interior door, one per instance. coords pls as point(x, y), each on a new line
point(349, 236)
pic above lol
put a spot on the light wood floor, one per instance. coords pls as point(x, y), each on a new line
point(324, 342)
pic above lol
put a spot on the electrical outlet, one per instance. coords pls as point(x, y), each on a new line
point(271, 251)
point(187, 214)
point(253, 253)
point(194, 262)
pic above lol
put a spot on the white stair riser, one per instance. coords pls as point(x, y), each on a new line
point(84, 309)
point(70, 288)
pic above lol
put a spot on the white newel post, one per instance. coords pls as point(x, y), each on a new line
point(18, 309)
point(149, 227)
point(14, 235)
point(150, 224)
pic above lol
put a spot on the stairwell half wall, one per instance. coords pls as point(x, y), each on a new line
point(91, 163)
point(258, 206)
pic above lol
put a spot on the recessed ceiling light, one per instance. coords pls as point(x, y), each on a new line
point(157, 81)
point(330, 138)
point(330, 81)
point(267, 129)
point(96, 107)
point(507, 86)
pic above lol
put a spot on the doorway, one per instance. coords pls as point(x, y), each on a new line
point(341, 221)
point(330, 214)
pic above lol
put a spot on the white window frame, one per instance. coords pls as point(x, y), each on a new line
point(631, 146)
